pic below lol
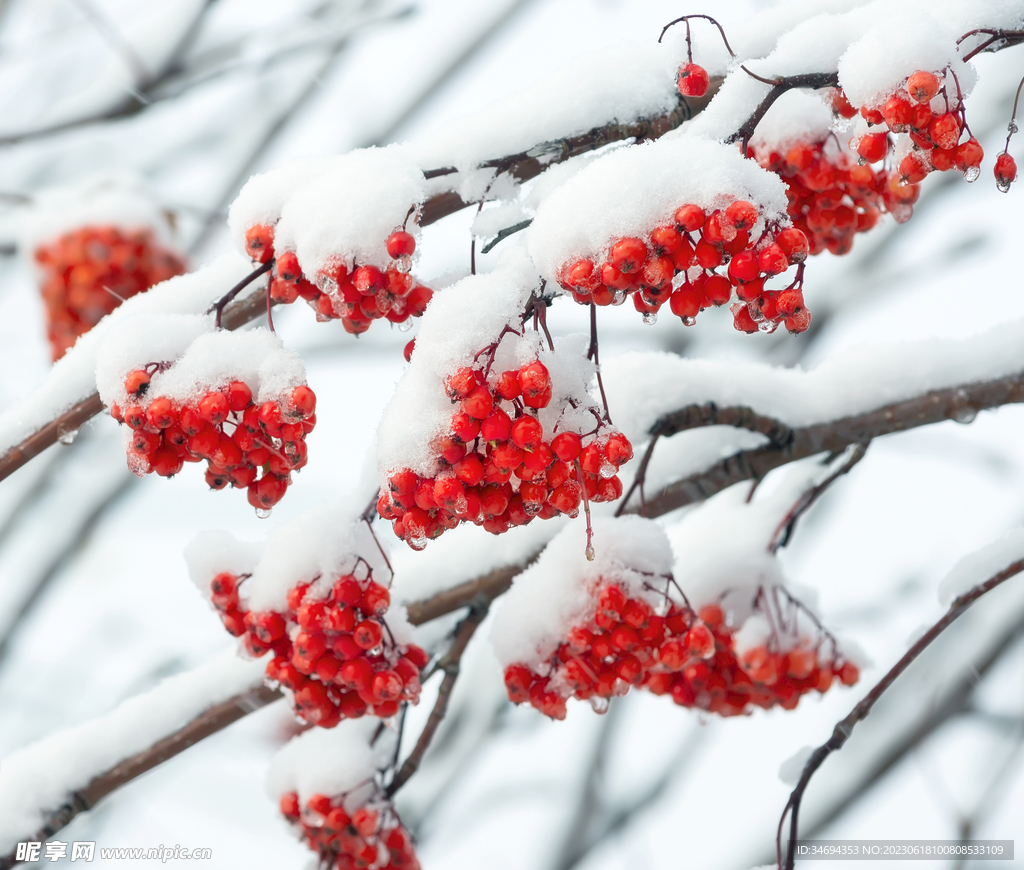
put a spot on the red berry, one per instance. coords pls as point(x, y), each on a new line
point(1005, 171)
point(922, 86)
point(259, 242)
point(401, 244)
point(692, 80)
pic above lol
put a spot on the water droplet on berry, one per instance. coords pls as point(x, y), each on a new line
point(618, 297)
point(599, 704)
point(67, 436)
point(404, 264)
point(689, 321)
point(326, 284)
point(1003, 185)
point(405, 325)
point(971, 173)
point(590, 553)
point(608, 471)
point(137, 465)
point(263, 513)
point(650, 317)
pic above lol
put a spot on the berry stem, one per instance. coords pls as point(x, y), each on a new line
point(686, 18)
point(784, 531)
point(592, 354)
point(218, 306)
point(586, 510)
point(450, 664)
point(1008, 38)
point(1012, 126)
point(844, 728)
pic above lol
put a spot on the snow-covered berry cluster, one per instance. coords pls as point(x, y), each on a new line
point(369, 837)
point(931, 113)
point(247, 445)
point(89, 271)
point(703, 669)
point(238, 400)
point(832, 197)
point(499, 466)
point(690, 656)
point(713, 254)
point(335, 653)
point(357, 295)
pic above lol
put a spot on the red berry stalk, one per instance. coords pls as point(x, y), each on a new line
point(698, 260)
point(333, 652)
point(356, 296)
point(499, 466)
point(691, 656)
point(245, 445)
point(89, 272)
point(367, 837)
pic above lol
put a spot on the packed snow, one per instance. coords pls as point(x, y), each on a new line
point(982, 565)
point(641, 387)
point(200, 359)
point(560, 589)
point(104, 200)
point(630, 191)
point(331, 762)
point(346, 213)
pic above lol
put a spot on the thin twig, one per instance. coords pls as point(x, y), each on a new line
point(450, 665)
point(785, 528)
point(844, 728)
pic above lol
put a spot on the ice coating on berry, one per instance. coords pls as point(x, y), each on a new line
point(628, 192)
point(351, 208)
point(330, 761)
point(560, 588)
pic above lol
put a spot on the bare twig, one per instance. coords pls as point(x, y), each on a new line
point(785, 529)
point(780, 84)
point(951, 403)
point(844, 728)
point(450, 665)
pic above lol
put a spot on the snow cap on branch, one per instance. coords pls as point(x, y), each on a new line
point(348, 211)
point(202, 359)
point(263, 196)
point(979, 566)
point(331, 761)
point(630, 191)
point(460, 321)
point(561, 588)
point(322, 543)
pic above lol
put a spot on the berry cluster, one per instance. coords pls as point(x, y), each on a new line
point(690, 656)
point(87, 273)
point(237, 437)
point(357, 296)
point(832, 198)
point(499, 468)
point(371, 837)
point(693, 248)
point(934, 120)
point(335, 653)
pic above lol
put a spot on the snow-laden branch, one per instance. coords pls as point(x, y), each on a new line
point(844, 728)
point(73, 769)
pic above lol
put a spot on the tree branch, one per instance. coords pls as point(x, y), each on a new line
point(207, 723)
point(952, 403)
point(450, 665)
point(523, 167)
point(844, 728)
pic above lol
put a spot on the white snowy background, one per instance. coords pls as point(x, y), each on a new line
point(95, 602)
